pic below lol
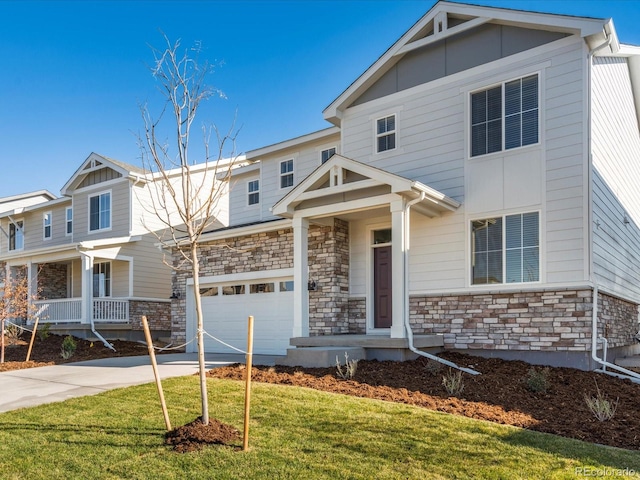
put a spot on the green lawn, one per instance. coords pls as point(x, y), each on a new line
point(295, 433)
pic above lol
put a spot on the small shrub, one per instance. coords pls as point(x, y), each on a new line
point(453, 382)
point(12, 334)
point(537, 380)
point(601, 407)
point(350, 367)
point(44, 331)
point(433, 367)
point(69, 346)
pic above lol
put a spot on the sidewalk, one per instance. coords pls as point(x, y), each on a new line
point(37, 386)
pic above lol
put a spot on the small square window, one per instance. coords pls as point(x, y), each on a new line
point(262, 288)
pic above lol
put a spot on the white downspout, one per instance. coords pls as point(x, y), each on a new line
point(407, 324)
point(93, 327)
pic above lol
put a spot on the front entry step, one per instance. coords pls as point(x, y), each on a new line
point(628, 362)
point(321, 357)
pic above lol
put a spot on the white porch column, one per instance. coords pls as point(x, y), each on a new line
point(398, 248)
point(32, 286)
point(300, 277)
point(87, 288)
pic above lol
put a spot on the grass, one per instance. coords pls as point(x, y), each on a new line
point(295, 433)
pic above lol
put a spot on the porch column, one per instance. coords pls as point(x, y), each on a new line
point(398, 248)
point(32, 287)
point(300, 277)
point(87, 288)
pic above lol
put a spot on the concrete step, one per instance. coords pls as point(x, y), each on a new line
point(321, 356)
point(628, 362)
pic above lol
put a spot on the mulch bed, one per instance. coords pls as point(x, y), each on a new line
point(195, 435)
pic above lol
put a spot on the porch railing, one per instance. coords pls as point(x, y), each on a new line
point(69, 310)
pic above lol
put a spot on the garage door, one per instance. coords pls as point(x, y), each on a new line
point(227, 306)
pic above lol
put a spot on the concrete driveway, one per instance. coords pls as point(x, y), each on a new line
point(37, 386)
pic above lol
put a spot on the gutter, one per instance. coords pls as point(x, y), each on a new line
point(93, 327)
point(407, 324)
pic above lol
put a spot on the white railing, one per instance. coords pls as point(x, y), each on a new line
point(69, 310)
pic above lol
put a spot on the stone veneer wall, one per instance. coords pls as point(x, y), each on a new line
point(52, 280)
point(158, 314)
point(358, 315)
point(329, 267)
point(535, 321)
point(3, 271)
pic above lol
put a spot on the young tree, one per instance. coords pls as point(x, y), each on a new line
point(15, 303)
point(186, 194)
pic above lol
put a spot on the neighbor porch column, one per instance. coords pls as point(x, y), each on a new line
point(32, 287)
point(87, 288)
point(397, 267)
point(300, 277)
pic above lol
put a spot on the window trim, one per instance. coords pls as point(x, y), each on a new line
point(45, 216)
point(471, 251)
point(68, 221)
point(254, 192)
point(335, 152)
point(100, 194)
point(286, 174)
point(377, 135)
point(109, 278)
point(16, 228)
point(501, 84)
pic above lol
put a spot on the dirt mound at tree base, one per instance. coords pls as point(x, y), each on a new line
point(195, 435)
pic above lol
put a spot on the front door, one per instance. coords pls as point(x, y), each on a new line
point(382, 287)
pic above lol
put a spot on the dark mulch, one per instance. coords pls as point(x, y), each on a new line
point(195, 435)
point(500, 394)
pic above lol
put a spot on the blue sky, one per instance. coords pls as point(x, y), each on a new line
point(74, 72)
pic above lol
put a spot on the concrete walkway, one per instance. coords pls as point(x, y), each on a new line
point(37, 386)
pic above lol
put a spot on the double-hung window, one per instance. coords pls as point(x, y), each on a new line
point(100, 211)
point(102, 279)
point(16, 235)
point(327, 154)
point(505, 116)
point(286, 173)
point(69, 220)
point(506, 249)
point(46, 225)
point(386, 133)
point(253, 191)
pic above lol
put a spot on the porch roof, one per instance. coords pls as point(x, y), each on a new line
point(342, 184)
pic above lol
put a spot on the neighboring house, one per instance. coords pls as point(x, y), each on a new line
point(483, 188)
point(90, 260)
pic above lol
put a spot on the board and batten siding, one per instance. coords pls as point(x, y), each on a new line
point(616, 179)
point(432, 133)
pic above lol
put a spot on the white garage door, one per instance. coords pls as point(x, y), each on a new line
point(227, 306)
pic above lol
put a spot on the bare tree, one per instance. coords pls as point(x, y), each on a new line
point(15, 303)
point(186, 194)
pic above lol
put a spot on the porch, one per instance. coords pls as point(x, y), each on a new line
point(69, 310)
point(322, 350)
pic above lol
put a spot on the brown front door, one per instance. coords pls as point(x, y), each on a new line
point(382, 287)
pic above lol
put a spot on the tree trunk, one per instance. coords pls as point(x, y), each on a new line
point(200, 323)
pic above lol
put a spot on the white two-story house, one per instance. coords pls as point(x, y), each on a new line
point(92, 256)
point(478, 184)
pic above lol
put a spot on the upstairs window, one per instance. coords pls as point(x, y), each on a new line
point(100, 212)
point(253, 190)
point(506, 249)
point(327, 154)
point(69, 220)
point(16, 235)
point(46, 225)
point(386, 133)
point(286, 174)
point(505, 116)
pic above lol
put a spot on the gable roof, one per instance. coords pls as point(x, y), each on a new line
point(341, 181)
point(96, 162)
point(434, 26)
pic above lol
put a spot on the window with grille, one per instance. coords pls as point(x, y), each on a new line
point(253, 189)
point(286, 174)
point(386, 133)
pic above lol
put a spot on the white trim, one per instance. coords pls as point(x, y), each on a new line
point(100, 194)
point(246, 230)
point(326, 149)
point(44, 226)
point(100, 186)
point(249, 193)
point(17, 229)
point(66, 221)
point(369, 281)
point(282, 175)
point(243, 277)
point(386, 133)
point(294, 142)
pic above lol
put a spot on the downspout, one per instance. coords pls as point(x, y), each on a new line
point(407, 324)
point(633, 376)
point(93, 327)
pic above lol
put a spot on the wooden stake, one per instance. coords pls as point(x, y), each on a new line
point(33, 337)
point(152, 355)
point(247, 395)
